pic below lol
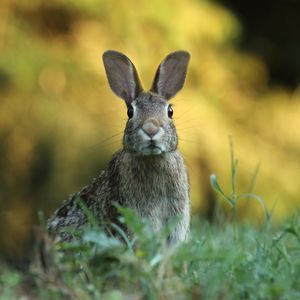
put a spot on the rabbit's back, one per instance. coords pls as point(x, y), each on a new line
point(73, 213)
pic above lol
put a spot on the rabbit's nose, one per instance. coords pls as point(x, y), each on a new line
point(151, 127)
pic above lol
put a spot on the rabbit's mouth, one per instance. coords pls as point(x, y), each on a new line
point(152, 149)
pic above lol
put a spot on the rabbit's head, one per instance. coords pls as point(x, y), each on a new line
point(150, 129)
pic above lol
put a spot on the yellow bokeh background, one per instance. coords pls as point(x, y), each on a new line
point(60, 123)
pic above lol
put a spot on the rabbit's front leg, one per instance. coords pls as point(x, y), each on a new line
point(181, 230)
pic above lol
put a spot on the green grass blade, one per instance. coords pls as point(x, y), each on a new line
point(217, 188)
point(253, 179)
point(260, 200)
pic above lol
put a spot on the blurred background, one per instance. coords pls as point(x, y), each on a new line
point(60, 123)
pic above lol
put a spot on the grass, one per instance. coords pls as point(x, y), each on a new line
point(215, 263)
point(224, 260)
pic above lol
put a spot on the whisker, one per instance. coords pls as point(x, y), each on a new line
point(189, 141)
point(109, 125)
point(107, 139)
point(186, 121)
point(185, 128)
point(186, 111)
point(115, 143)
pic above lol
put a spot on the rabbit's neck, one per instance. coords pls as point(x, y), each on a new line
point(141, 167)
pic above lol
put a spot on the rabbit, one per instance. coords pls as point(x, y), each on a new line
point(148, 174)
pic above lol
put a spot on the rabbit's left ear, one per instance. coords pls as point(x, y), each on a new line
point(170, 75)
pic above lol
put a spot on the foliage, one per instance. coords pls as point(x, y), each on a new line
point(258, 263)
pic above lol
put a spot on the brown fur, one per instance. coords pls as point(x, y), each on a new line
point(151, 180)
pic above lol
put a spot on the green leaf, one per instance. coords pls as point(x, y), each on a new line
point(100, 239)
point(217, 188)
point(290, 229)
point(89, 214)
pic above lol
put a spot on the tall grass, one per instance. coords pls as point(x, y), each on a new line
point(234, 198)
point(212, 264)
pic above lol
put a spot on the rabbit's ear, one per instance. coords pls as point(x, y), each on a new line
point(170, 75)
point(122, 75)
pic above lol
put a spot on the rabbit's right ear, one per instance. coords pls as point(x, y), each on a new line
point(122, 76)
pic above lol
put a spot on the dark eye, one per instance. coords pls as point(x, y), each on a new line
point(130, 112)
point(170, 112)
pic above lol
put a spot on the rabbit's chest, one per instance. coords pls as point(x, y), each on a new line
point(156, 197)
point(158, 208)
point(156, 188)
point(149, 189)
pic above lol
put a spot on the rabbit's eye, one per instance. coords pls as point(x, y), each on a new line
point(130, 112)
point(170, 112)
